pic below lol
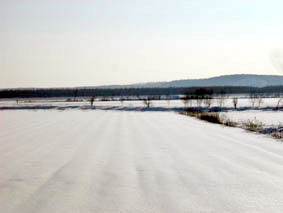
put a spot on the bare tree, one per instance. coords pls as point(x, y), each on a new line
point(280, 101)
point(221, 101)
point(91, 101)
point(256, 99)
point(75, 94)
point(259, 100)
point(203, 95)
point(235, 102)
point(187, 99)
point(147, 102)
point(200, 95)
point(252, 99)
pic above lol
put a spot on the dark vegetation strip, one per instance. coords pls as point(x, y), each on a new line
point(89, 92)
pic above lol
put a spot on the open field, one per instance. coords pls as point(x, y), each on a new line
point(116, 161)
point(268, 118)
point(243, 102)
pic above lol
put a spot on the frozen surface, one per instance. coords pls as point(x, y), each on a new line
point(116, 161)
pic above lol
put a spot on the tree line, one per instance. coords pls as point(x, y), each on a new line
point(95, 92)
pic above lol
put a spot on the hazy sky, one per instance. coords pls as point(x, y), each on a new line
point(46, 43)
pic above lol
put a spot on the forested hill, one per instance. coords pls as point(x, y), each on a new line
point(229, 84)
point(225, 80)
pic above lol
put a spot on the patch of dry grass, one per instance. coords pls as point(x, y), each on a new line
point(214, 117)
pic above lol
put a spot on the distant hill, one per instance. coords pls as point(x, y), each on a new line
point(225, 80)
point(229, 84)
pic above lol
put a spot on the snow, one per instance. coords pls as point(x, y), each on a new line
point(59, 102)
point(267, 118)
point(120, 161)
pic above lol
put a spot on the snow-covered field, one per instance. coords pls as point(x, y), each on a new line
point(61, 102)
point(244, 113)
point(120, 161)
point(267, 118)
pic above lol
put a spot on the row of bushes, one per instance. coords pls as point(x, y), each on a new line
point(212, 117)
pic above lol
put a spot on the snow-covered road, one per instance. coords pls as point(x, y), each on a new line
point(114, 161)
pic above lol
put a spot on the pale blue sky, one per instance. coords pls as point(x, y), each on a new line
point(46, 43)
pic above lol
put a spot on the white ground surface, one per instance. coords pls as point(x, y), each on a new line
point(242, 102)
point(268, 118)
point(112, 161)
